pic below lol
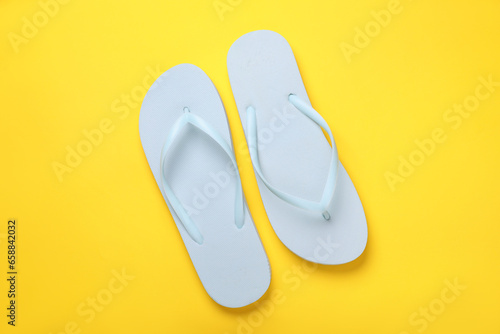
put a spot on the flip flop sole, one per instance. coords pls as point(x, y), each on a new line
point(294, 153)
point(231, 262)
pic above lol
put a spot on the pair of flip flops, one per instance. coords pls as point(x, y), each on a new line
point(309, 198)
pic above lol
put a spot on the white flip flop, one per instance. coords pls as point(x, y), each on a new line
point(310, 200)
point(186, 139)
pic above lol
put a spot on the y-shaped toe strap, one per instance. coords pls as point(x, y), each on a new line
point(188, 118)
point(331, 181)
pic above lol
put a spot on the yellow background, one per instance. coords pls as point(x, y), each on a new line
point(441, 224)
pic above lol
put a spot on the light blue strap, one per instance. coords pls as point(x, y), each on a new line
point(189, 225)
point(331, 181)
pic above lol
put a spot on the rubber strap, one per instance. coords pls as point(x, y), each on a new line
point(188, 118)
point(331, 181)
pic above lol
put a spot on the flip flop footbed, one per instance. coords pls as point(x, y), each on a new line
point(231, 262)
point(294, 153)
